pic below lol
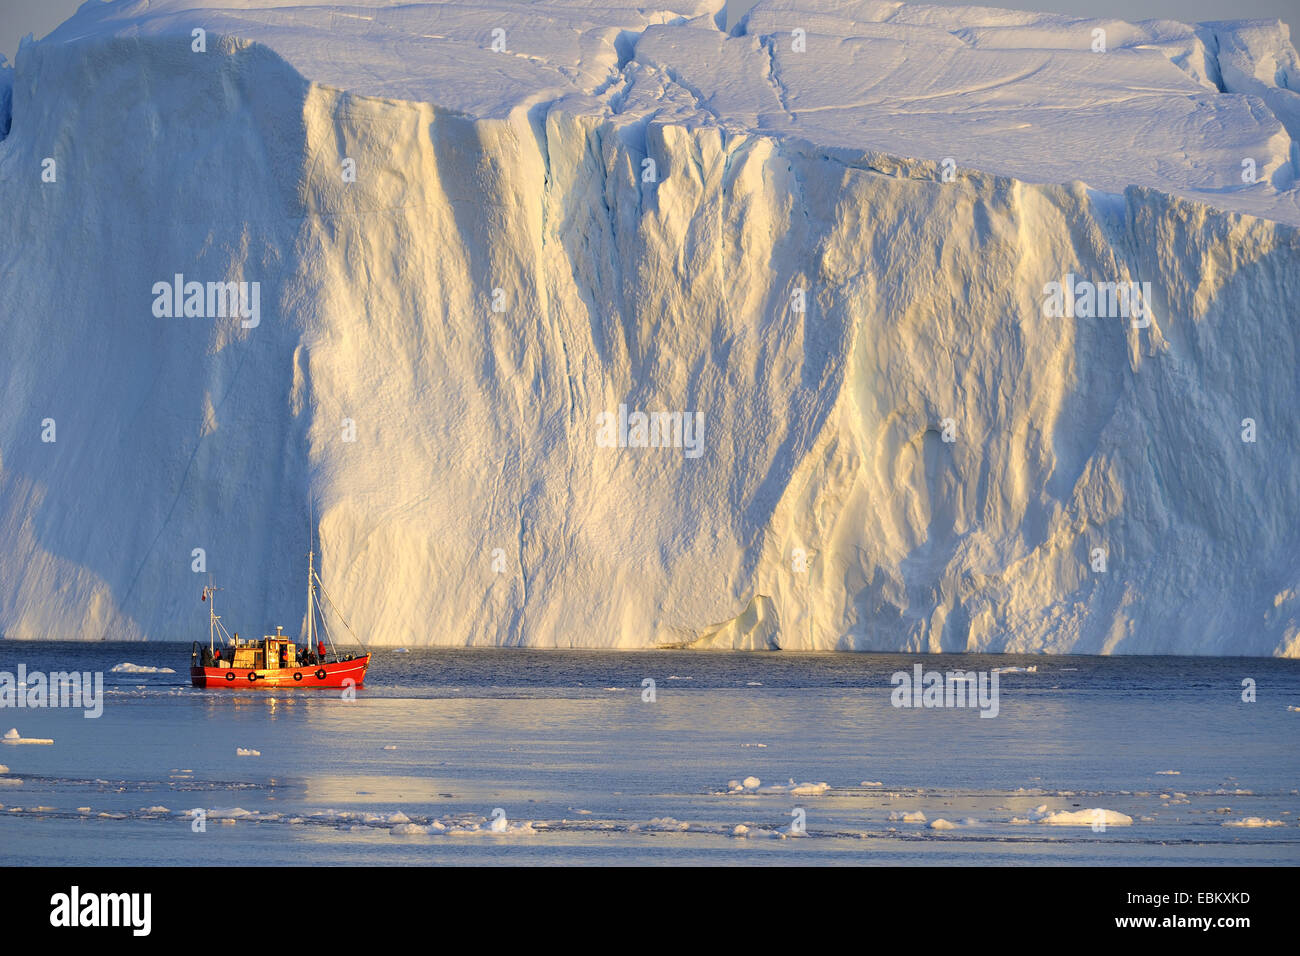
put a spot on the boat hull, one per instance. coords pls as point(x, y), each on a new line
point(334, 674)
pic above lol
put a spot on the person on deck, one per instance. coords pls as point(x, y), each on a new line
point(320, 649)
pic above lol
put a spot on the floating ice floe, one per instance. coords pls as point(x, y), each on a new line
point(1031, 669)
point(871, 783)
point(666, 823)
point(754, 785)
point(1253, 822)
point(401, 650)
point(228, 813)
point(128, 668)
point(13, 737)
point(914, 816)
point(1168, 773)
point(390, 746)
point(461, 827)
point(942, 824)
point(760, 833)
point(241, 752)
point(518, 828)
point(1087, 818)
point(808, 789)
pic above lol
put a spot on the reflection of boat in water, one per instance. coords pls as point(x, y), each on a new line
point(276, 660)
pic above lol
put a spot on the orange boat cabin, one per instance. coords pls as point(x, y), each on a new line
point(272, 652)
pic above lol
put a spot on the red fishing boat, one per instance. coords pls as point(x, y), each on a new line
point(275, 660)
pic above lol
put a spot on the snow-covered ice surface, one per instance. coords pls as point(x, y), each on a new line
point(476, 495)
point(582, 775)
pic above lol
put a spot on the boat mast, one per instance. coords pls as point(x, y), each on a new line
point(209, 595)
point(311, 611)
point(311, 571)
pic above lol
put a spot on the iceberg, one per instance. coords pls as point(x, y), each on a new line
point(824, 238)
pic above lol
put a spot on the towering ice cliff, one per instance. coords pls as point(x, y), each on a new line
point(872, 260)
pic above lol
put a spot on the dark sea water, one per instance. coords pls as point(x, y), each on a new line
point(563, 749)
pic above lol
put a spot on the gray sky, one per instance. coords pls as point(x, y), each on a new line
point(39, 17)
